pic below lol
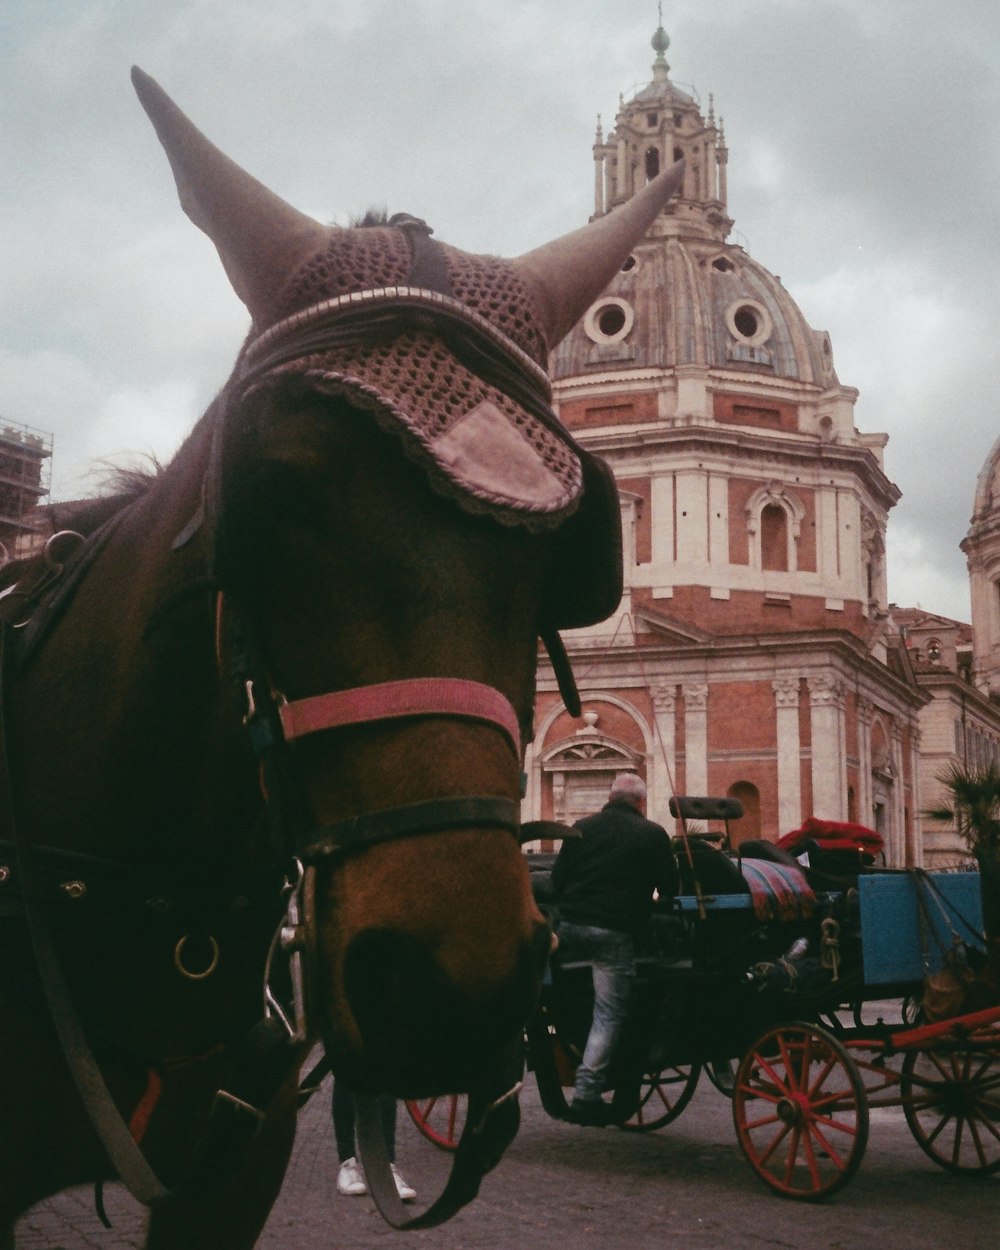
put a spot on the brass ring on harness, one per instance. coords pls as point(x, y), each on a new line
point(186, 972)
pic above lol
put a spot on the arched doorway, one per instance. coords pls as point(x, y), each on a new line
point(748, 825)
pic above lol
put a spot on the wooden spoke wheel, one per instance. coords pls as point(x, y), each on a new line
point(951, 1098)
point(800, 1111)
point(663, 1096)
point(440, 1119)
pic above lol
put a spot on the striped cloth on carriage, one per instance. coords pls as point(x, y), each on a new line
point(778, 891)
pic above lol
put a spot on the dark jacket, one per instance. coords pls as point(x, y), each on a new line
point(607, 877)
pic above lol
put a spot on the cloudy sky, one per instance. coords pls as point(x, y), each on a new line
point(864, 140)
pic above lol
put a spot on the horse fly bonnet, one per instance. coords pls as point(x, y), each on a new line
point(445, 349)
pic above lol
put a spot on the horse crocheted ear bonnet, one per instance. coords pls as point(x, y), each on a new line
point(447, 349)
point(432, 351)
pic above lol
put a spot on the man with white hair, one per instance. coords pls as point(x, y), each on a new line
point(605, 881)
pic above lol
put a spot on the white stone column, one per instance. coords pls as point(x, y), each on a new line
point(898, 831)
point(531, 804)
point(789, 748)
point(663, 765)
point(696, 737)
point(916, 802)
point(829, 756)
point(866, 713)
point(662, 505)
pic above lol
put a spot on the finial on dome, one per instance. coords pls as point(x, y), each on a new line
point(600, 133)
point(660, 42)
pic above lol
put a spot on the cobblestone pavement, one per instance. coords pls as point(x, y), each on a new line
point(561, 1187)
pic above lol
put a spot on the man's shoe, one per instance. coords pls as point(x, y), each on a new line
point(406, 1191)
point(351, 1179)
point(590, 1111)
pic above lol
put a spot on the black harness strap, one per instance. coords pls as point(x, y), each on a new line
point(428, 264)
point(357, 833)
point(125, 1156)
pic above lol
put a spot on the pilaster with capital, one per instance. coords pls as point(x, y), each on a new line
point(866, 798)
point(663, 765)
point(829, 746)
point(789, 747)
point(916, 849)
point(695, 737)
point(897, 832)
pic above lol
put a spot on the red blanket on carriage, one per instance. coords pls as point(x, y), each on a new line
point(779, 891)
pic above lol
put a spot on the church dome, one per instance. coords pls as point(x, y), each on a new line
point(694, 301)
point(685, 296)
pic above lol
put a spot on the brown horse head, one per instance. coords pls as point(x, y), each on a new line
point(394, 501)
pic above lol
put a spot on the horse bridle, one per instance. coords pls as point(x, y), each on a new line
point(272, 721)
point(274, 724)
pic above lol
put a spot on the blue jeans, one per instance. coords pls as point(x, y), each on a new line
point(612, 955)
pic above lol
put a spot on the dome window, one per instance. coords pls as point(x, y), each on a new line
point(652, 119)
point(723, 264)
point(749, 322)
point(746, 322)
point(609, 320)
point(628, 263)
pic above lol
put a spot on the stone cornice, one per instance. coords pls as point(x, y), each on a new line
point(804, 453)
point(807, 652)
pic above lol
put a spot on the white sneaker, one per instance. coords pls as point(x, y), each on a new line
point(406, 1192)
point(351, 1179)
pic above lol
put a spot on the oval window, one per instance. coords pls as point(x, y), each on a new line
point(609, 320)
point(746, 321)
point(749, 322)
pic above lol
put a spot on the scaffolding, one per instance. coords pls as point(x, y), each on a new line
point(25, 471)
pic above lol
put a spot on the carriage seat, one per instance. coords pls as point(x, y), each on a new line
point(714, 870)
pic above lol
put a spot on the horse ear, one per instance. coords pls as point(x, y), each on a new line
point(569, 273)
point(259, 237)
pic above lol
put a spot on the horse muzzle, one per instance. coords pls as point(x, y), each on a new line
point(421, 1034)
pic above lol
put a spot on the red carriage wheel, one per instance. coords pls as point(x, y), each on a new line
point(800, 1111)
point(663, 1096)
point(951, 1098)
point(440, 1119)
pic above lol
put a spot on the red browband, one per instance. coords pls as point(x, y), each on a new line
point(391, 700)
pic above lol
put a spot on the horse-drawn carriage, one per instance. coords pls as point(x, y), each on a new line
point(796, 991)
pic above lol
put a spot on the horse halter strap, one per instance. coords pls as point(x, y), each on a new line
point(390, 700)
point(396, 700)
point(275, 723)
